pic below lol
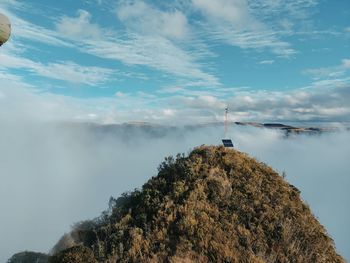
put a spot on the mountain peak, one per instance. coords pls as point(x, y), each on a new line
point(214, 205)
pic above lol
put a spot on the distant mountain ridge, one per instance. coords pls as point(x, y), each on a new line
point(289, 129)
point(131, 130)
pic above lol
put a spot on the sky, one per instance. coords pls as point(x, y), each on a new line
point(181, 61)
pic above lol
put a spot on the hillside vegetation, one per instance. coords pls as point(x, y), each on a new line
point(214, 205)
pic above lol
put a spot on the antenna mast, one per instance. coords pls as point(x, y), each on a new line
point(226, 121)
point(227, 142)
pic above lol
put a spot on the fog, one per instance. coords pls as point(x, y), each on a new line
point(53, 175)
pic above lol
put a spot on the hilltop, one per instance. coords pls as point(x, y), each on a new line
point(214, 205)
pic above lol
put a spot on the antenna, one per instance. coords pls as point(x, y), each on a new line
point(226, 122)
point(226, 142)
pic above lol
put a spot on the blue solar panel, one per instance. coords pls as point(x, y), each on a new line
point(227, 143)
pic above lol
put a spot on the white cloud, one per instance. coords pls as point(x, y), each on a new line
point(64, 70)
point(153, 51)
point(267, 62)
point(318, 73)
point(78, 27)
point(253, 39)
point(312, 104)
point(146, 19)
point(169, 112)
point(156, 50)
point(326, 83)
point(206, 102)
point(72, 72)
point(233, 22)
point(327, 100)
point(329, 72)
point(22, 103)
point(12, 80)
point(258, 25)
point(231, 11)
point(120, 94)
point(295, 10)
point(346, 63)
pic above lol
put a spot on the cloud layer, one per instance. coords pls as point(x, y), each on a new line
point(314, 103)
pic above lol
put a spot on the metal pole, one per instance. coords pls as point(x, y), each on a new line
point(226, 121)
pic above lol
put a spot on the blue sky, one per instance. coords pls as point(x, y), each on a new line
point(176, 61)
